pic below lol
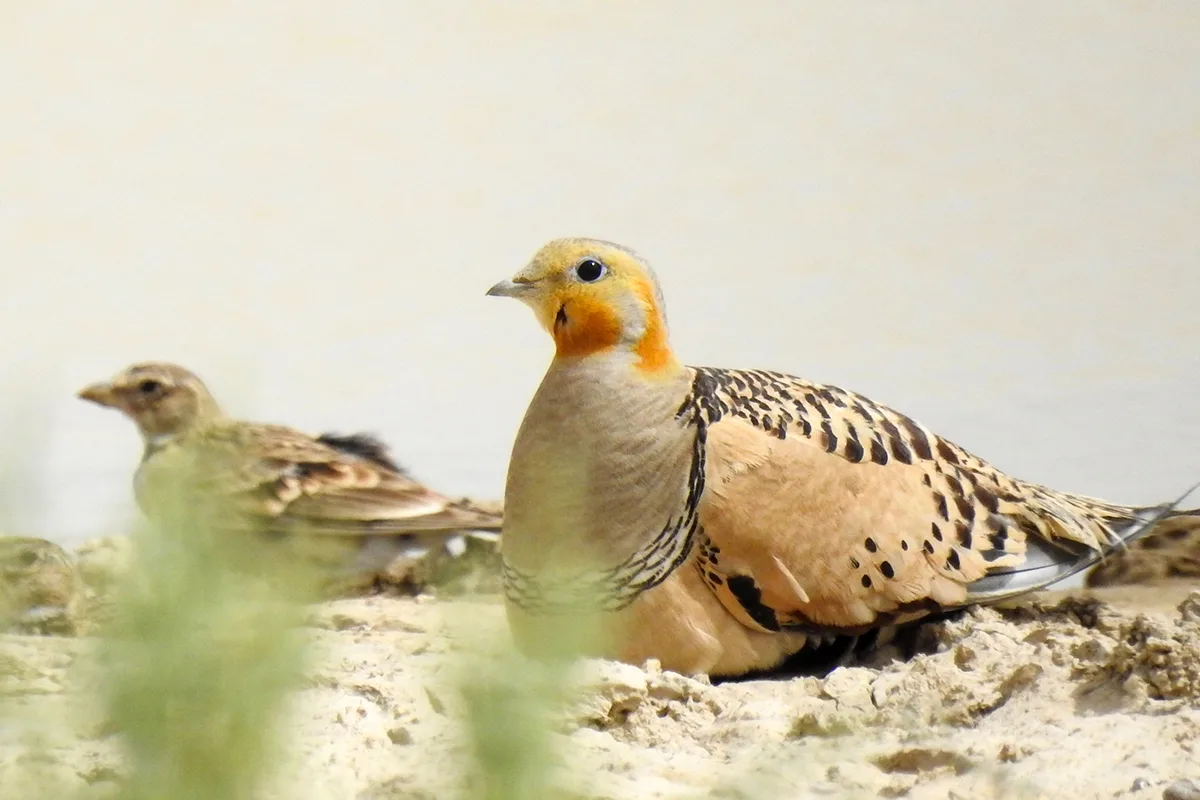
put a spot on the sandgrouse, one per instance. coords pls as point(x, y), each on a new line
point(720, 519)
point(275, 479)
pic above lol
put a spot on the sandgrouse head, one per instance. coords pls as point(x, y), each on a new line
point(594, 296)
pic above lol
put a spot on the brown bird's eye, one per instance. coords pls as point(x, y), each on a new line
point(149, 387)
point(590, 270)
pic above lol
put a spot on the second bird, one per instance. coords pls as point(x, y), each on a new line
point(277, 479)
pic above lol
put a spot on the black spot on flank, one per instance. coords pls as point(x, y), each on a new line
point(942, 510)
point(805, 426)
point(854, 449)
point(954, 483)
point(937, 532)
point(716, 551)
point(561, 317)
point(903, 544)
point(812, 400)
point(992, 555)
point(965, 509)
point(871, 546)
point(964, 536)
point(946, 451)
point(928, 547)
point(987, 499)
point(952, 562)
point(747, 593)
point(879, 453)
point(716, 579)
point(900, 450)
point(920, 442)
point(999, 540)
point(861, 410)
point(887, 570)
point(831, 439)
point(854, 562)
point(925, 479)
point(866, 581)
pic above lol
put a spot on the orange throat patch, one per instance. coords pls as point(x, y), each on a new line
point(583, 326)
point(654, 351)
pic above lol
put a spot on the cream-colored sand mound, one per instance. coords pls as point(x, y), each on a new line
point(1092, 695)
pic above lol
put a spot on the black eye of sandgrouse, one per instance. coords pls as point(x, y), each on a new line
point(149, 387)
point(589, 270)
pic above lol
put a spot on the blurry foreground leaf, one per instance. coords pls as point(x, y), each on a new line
point(513, 707)
point(202, 652)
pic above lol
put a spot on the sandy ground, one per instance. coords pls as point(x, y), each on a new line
point(1081, 695)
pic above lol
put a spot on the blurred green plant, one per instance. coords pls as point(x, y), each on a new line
point(195, 658)
point(512, 705)
point(203, 649)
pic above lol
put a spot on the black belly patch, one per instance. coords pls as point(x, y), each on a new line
point(747, 593)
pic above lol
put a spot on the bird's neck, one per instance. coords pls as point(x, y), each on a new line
point(599, 468)
point(154, 442)
point(155, 439)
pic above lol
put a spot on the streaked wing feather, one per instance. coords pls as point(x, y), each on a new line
point(290, 480)
point(873, 517)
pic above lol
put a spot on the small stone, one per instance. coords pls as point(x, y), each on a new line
point(399, 736)
point(1182, 790)
point(1189, 609)
point(1139, 784)
point(344, 622)
point(100, 774)
point(964, 657)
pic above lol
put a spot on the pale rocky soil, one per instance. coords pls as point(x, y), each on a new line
point(1092, 694)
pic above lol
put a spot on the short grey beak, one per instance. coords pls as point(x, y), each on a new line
point(510, 289)
point(99, 393)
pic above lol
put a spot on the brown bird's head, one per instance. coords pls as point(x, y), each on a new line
point(595, 297)
point(162, 399)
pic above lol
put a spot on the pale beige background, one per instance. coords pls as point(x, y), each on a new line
point(987, 215)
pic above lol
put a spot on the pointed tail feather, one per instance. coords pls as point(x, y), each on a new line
point(1049, 562)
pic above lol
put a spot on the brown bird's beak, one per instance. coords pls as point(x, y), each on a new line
point(517, 288)
point(99, 393)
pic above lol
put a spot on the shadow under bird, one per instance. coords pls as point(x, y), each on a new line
point(278, 480)
point(724, 520)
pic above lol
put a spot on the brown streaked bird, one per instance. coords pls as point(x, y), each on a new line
point(277, 479)
point(40, 587)
point(721, 520)
point(1171, 552)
